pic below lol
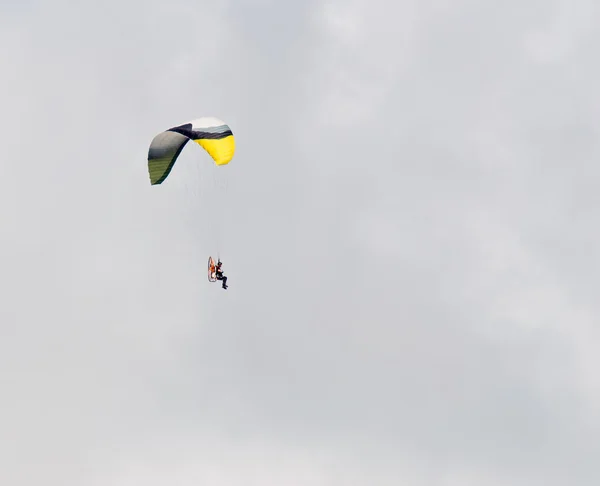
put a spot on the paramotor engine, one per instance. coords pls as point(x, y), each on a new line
point(212, 276)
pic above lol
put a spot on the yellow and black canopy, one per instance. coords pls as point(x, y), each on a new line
point(210, 133)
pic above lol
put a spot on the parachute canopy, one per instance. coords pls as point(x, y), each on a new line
point(212, 134)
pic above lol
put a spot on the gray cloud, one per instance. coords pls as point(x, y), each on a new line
point(408, 228)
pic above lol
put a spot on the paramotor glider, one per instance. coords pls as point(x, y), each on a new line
point(216, 138)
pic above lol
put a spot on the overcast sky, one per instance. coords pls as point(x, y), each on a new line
point(410, 232)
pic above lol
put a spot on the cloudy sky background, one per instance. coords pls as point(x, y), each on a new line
point(421, 181)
